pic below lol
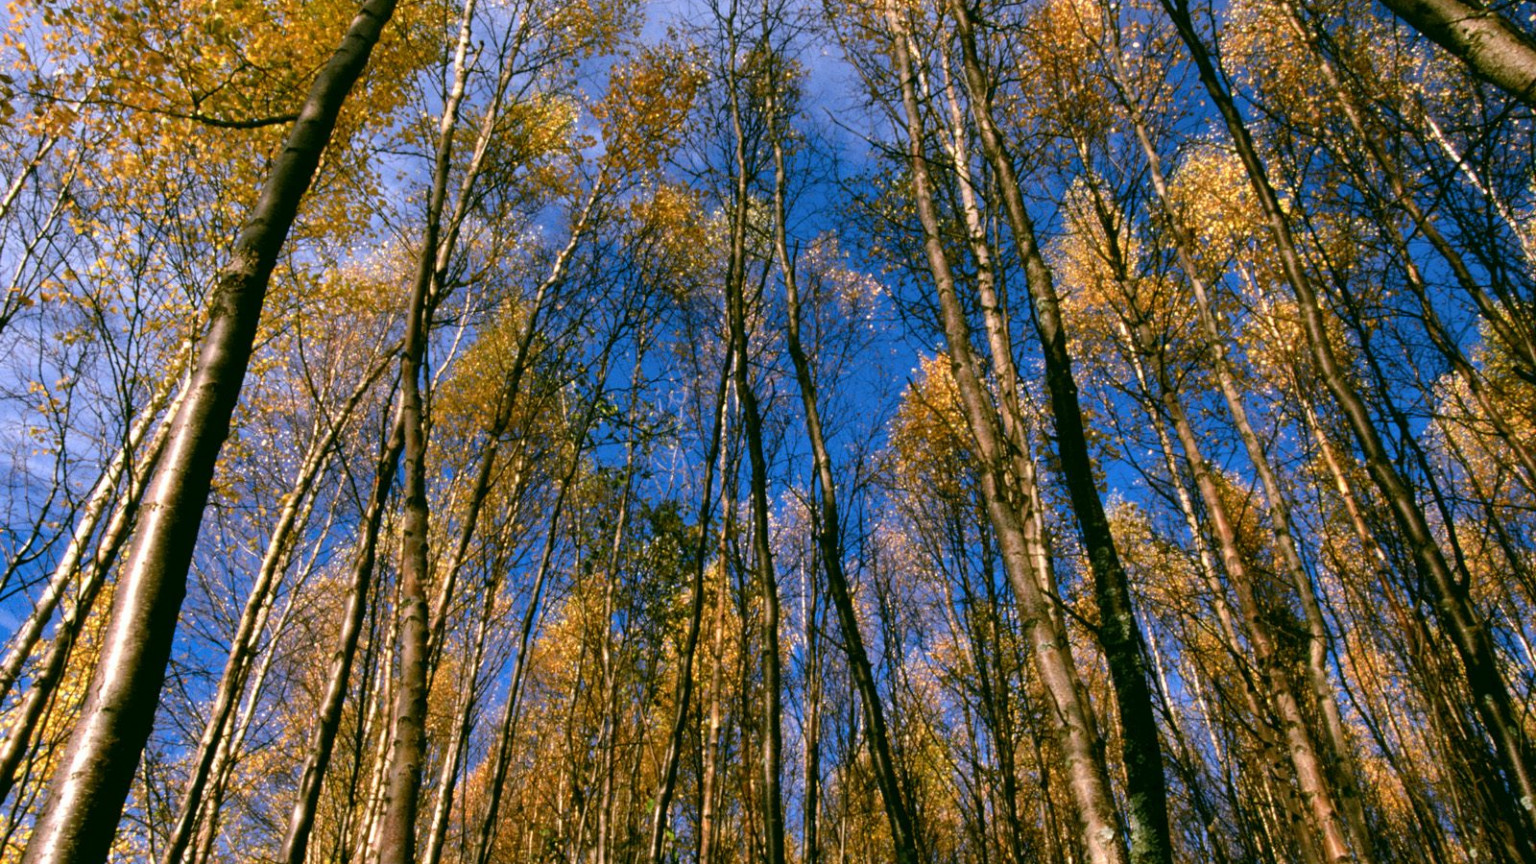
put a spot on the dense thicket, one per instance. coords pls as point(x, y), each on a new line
point(951, 431)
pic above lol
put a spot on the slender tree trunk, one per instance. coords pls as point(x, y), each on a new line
point(501, 751)
point(996, 694)
point(810, 821)
point(1519, 339)
point(506, 407)
point(500, 757)
point(86, 796)
point(1118, 631)
point(710, 783)
point(458, 741)
point(396, 840)
point(1019, 541)
point(362, 802)
point(829, 534)
point(379, 720)
point(97, 507)
point(1408, 625)
point(1326, 821)
point(328, 721)
point(33, 706)
point(230, 744)
point(749, 841)
point(752, 425)
point(678, 733)
point(1000, 344)
point(608, 665)
point(296, 505)
point(1185, 759)
point(1455, 608)
point(1337, 756)
point(762, 555)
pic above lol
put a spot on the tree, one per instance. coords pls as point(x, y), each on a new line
point(89, 787)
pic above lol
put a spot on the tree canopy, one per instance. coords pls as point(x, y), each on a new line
point(471, 431)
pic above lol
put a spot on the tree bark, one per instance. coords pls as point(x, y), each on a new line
point(1019, 540)
point(709, 784)
point(771, 767)
point(396, 840)
point(810, 812)
point(1494, 49)
point(1519, 339)
point(1316, 789)
point(1337, 752)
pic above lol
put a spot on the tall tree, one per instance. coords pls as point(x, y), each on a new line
point(88, 790)
point(1008, 483)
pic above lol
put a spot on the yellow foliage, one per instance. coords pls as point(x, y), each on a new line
point(468, 397)
point(530, 137)
point(929, 438)
point(647, 105)
point(1210, 194)
point(680, 235)
point(1083, 260)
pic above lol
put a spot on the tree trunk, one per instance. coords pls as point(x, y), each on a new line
point(227, 758)
point(1118, 631)
point(607, 664)
point(829, 541)
point(500, 756)
point(1327, 825)
point(678, 733)
point(253, 618)
point(396, 840)
point(1493, 48)
point(1338, 756)
point(752, 425)
point(458, 741)
point(328, 721)
point(1018, 537)
point(1519, 339)
point(709, 784)
point(127, 461)
point(86, 796)
point(32, 707)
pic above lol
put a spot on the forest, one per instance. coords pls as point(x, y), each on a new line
point(781, 431)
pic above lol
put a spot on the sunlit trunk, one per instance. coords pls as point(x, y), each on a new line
point(92, 781)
